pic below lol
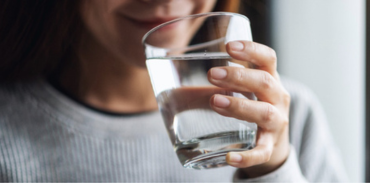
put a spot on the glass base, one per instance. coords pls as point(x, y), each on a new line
point(207, 162)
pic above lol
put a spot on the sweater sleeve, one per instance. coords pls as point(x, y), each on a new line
point(288, 172)
point(313, 154)
point(317, 154)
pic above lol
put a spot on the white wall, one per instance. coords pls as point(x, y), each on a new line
point(322, 44)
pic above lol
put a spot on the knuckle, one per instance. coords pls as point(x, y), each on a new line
point(242, 106)
point(269, 113)
point(239, 76)
point(286, 103)
point(285, 123)
point(286, 98)
point(254, 47)
point(266, 155)
point(272, 54)
point(267, 80)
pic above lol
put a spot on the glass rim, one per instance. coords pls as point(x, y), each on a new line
point(209, 14)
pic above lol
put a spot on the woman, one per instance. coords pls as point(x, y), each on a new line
point(77, 103)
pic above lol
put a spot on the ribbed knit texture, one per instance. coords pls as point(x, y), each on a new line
point(45, 136)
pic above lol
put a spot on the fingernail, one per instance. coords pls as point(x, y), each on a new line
point(235, 157)
point(221, 101)
point(218, 73)
point(236, 46)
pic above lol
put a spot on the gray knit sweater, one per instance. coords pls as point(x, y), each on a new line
point(46, 136)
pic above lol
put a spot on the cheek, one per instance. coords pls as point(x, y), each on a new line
point(110, 32)
point(203, 6)
point(96, 18)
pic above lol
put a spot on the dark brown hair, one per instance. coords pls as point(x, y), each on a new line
point(38, 36)
point(227, 5)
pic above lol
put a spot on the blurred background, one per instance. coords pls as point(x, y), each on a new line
point(321, 43)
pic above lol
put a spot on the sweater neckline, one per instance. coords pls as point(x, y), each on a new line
point(77, 117)
point(52, 82)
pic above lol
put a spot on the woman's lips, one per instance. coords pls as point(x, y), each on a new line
point(151, 23)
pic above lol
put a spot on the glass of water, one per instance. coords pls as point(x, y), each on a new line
point(179, 53)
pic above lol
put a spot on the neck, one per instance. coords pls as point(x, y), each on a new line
point(109, 84)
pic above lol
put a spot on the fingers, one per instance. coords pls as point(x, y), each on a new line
point(187, 98)
point(267, 116)
point(258, 155)
point(263, 57)
point(271, 112)
point(263, 84)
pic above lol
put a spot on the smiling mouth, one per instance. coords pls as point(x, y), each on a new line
point(151, 23)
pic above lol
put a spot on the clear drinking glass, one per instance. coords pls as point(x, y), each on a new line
point(179, 54)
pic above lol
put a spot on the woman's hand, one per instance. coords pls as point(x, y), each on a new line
point(270, 112)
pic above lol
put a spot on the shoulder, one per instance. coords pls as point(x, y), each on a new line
point(13, 95)
point(303, 100)
point(17, 104)
point(14, 106)
point(23, 114)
